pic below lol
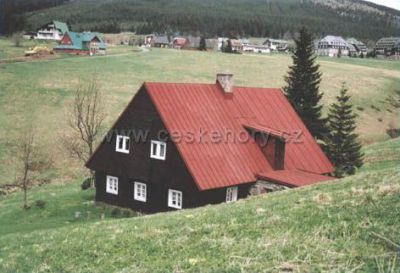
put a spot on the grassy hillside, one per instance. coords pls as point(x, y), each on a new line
point(44, 88)
point(225, 17)
point(349, 225)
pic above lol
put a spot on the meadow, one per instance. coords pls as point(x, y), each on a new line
point(347, 225)
point(42, 90)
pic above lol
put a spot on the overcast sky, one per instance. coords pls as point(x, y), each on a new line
point(389, 3)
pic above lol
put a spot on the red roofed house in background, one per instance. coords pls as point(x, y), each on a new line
point(180, 145)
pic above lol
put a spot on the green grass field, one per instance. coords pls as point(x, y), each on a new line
point(340, 226)
point(43, 88)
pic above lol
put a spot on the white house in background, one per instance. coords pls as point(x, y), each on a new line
point(332, 45)
point(54, 30)
point(251, 48)
point(222, 41)
point(277, 45)
point(357, 47)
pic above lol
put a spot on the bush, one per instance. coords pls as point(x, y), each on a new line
point(115, 212)
point(40, 204)
point(360, 108)
point(86, 184)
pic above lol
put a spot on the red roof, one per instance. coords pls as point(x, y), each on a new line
point(191, 108)
point(294, 178)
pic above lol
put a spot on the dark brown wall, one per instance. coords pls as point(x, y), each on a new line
point(159, 175)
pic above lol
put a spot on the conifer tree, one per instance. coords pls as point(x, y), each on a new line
point(303, 80)
point(343, 145)
point(202, 45)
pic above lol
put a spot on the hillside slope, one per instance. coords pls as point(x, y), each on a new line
point(350, 225)
point(226, 17)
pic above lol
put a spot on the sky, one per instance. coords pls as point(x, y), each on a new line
point(389, 3)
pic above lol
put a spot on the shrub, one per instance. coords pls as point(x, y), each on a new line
point(86, 183)
point(115, 212)
point(40, 204)
point(360, 108)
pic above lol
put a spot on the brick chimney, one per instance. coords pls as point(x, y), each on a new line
point(225, 80)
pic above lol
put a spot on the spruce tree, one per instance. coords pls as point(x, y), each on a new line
point(343, 145)
point(202, 45)
point(303, 80)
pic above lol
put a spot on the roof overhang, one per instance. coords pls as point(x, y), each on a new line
point(293, 178)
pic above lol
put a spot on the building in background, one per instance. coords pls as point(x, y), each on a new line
point(52, 31)
point(356, 48)
point(388, 46)
point(333, 46)
point(85, 43)
point(277, 45)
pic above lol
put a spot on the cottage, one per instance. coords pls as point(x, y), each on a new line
point(179, 42)
point(333, 46)
point(237, 45)
point(179, 146)
point(356, 48)
point(85, 43)
point(156, 41)
point(277, 45)
point(52, 31)
point(256, 48)
point(388, 46)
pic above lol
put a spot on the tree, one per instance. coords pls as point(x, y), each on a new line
point(202, 45)
point(228, 47)
point(86, 116)
point(339, 54)
point(17, 39)
point(303, 80)
point(30, 156)
point(343, 145)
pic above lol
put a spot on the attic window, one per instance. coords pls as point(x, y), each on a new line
point(175, 199)
point(231, 194)
point(158, 150)
point(112, 185)
point(122, 144)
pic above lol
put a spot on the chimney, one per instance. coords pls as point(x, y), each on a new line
point(225, 80)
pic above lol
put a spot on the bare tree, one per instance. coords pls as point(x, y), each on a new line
point(86, 116)
point(27, 154)
point(17, 39)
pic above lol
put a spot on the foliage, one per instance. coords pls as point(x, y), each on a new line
point(202, 45)
point(40, 204)
point(257, 18)
point(343, 145)
point(17, 39)
point(302, 84)
point(87, 183)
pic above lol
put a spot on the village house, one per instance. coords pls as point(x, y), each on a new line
point(252, 48)
point(388, 46)
point(237, 45)
point(356, 48)
point(277, 45)
point(183, 145)
point(333, 46)
point(179, 42)
point(52, 31)
point(85, 43)
point(153, 40)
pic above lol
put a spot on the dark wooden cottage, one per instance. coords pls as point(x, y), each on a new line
point(186, 145)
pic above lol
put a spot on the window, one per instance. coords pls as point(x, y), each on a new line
point(122, 144)
point(175, 199)
point(140, 192)
point(112, 185)
point(231, 194)
point(158, 149)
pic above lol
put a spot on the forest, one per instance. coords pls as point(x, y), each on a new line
point(256, 18)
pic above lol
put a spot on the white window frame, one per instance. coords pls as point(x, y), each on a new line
point(125, 140)
point(231, 194)
point(156, 154)
point(140, 192)
point(112, 185)
point(179, 199)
